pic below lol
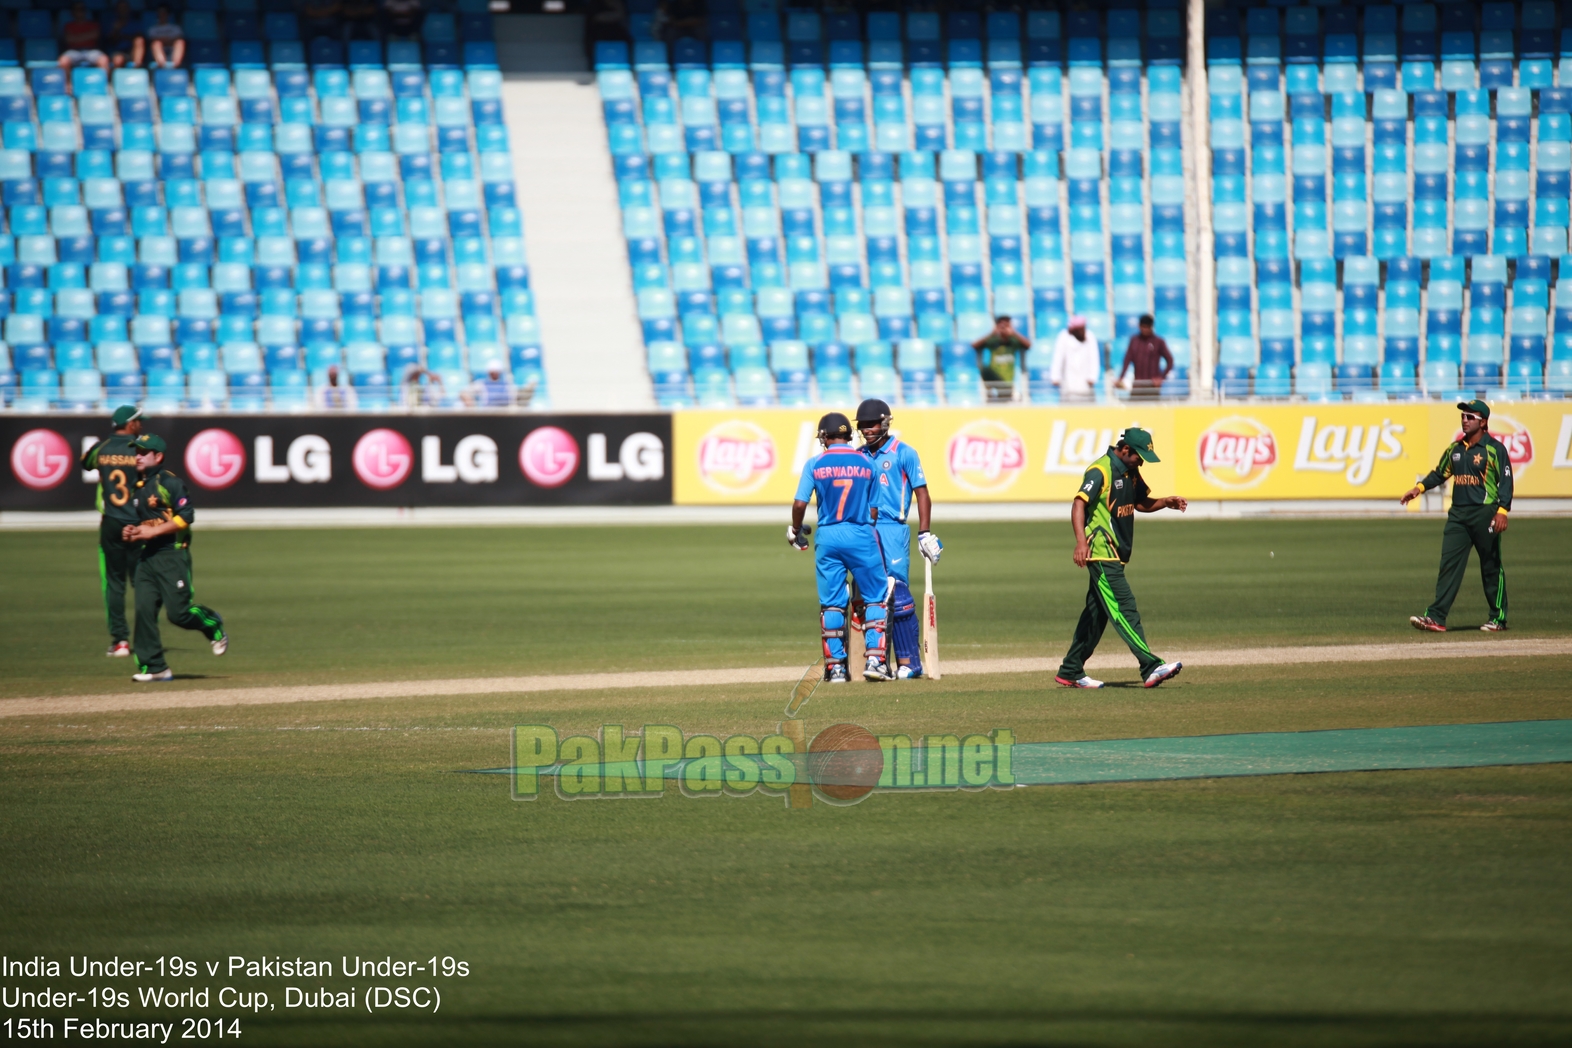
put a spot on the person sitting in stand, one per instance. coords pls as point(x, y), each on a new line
point(1148, 355)
point(81, 39)
point(123, 39)
point(423, 388)
point(997, 357)
point(166, 41)
point(335, 397)
point(494, 390)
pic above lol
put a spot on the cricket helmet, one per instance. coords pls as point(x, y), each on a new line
point(835, 426)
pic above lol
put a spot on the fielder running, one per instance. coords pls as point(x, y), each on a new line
point(115, 459)
point(1481, 476)
point(842, 480)
point(163, 571)
point(1104, 539)
point(900, 479)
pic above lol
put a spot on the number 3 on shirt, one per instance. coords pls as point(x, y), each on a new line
point(846, 487)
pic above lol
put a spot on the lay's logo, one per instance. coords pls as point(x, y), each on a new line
point(736, 458)
point(1237, 452)
point(985, 456)
point(1515, 436)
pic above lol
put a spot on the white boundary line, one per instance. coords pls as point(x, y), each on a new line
point(151, 699)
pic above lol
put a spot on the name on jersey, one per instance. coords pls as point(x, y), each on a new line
point(1467, 479)
point(829, 472)
point(116, 460)
point(1125, 511)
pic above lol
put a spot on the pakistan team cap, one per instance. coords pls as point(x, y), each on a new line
point(1478, 407)
point(124, 414)
point(150, 442)
point(1140, 442)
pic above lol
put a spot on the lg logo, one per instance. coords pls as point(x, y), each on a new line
point(474, 460)
point(309, 460)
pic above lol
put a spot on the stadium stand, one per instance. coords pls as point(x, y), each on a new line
point(818, 205)
point(217, 237)
point(820, 201)
point(1418, 192)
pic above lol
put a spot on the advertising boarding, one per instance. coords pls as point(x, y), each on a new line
point(1038, 454)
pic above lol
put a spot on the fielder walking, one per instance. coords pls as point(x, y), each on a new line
point(163, 571)
point(900, 479)
point(115, 459)
point(842, 480)
point(1481, 474)
point(1114, 492)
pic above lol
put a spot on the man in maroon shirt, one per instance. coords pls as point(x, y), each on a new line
point(80, 36)
point(1150, 358)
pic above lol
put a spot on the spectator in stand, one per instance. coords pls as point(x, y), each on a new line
point(495, 390)
point(333, 396)
point(1149, 357)
point(80, 37)
point(403, 16)
point(123, 39)
point(1077, 363)
point(997, 357)
point(166, 41)
point(423, 388)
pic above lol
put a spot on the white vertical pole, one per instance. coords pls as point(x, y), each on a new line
point(1201, 264)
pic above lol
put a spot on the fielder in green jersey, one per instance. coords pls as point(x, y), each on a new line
point(163, 571)
point(1113, 491)
point(1481, 475)
point(115, 459)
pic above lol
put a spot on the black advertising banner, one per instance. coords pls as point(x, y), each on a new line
point(363, 460)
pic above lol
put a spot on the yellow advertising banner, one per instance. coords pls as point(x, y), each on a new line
point(1038, 454)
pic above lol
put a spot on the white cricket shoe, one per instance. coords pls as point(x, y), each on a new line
point(1083, 682)
point(144, 678)
point(837, 674)
point(877, 669)
point(220, 644)
point(1166, 671)
point(118, 650)
point(905, 673)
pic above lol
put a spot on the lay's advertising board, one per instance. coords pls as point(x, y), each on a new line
point(1032, 454)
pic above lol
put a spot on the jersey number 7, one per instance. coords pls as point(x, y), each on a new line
point(846, 487)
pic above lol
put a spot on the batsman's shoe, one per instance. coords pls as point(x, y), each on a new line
point(1167, 671)
point(1081, 682)
point(118, 650)
point(877, 669)
point(837, 674)
point(1426, 623)
point(220, 643)
point(144, 678)
point(905, 673)
point(1493, 627)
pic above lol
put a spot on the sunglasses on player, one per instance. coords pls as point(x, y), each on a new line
point(1472, 418)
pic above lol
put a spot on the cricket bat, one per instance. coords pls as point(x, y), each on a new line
point(930, 623)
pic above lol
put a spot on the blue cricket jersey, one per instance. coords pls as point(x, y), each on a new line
point(842, 478)
point(900, 473)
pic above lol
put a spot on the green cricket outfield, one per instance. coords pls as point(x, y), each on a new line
point(1390, 907)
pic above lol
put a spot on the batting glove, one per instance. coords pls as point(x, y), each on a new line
point(798, 537)
point(929, 546)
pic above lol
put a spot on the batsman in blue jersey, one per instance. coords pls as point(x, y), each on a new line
point(842, 479)
point(899, 480)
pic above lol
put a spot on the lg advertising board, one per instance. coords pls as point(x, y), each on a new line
point(1353, 451)
point(261, 461)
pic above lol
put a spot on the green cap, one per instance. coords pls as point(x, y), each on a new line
point(150, 442)
point(124, 414)
point(1140, 442)
point(1478, 407)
